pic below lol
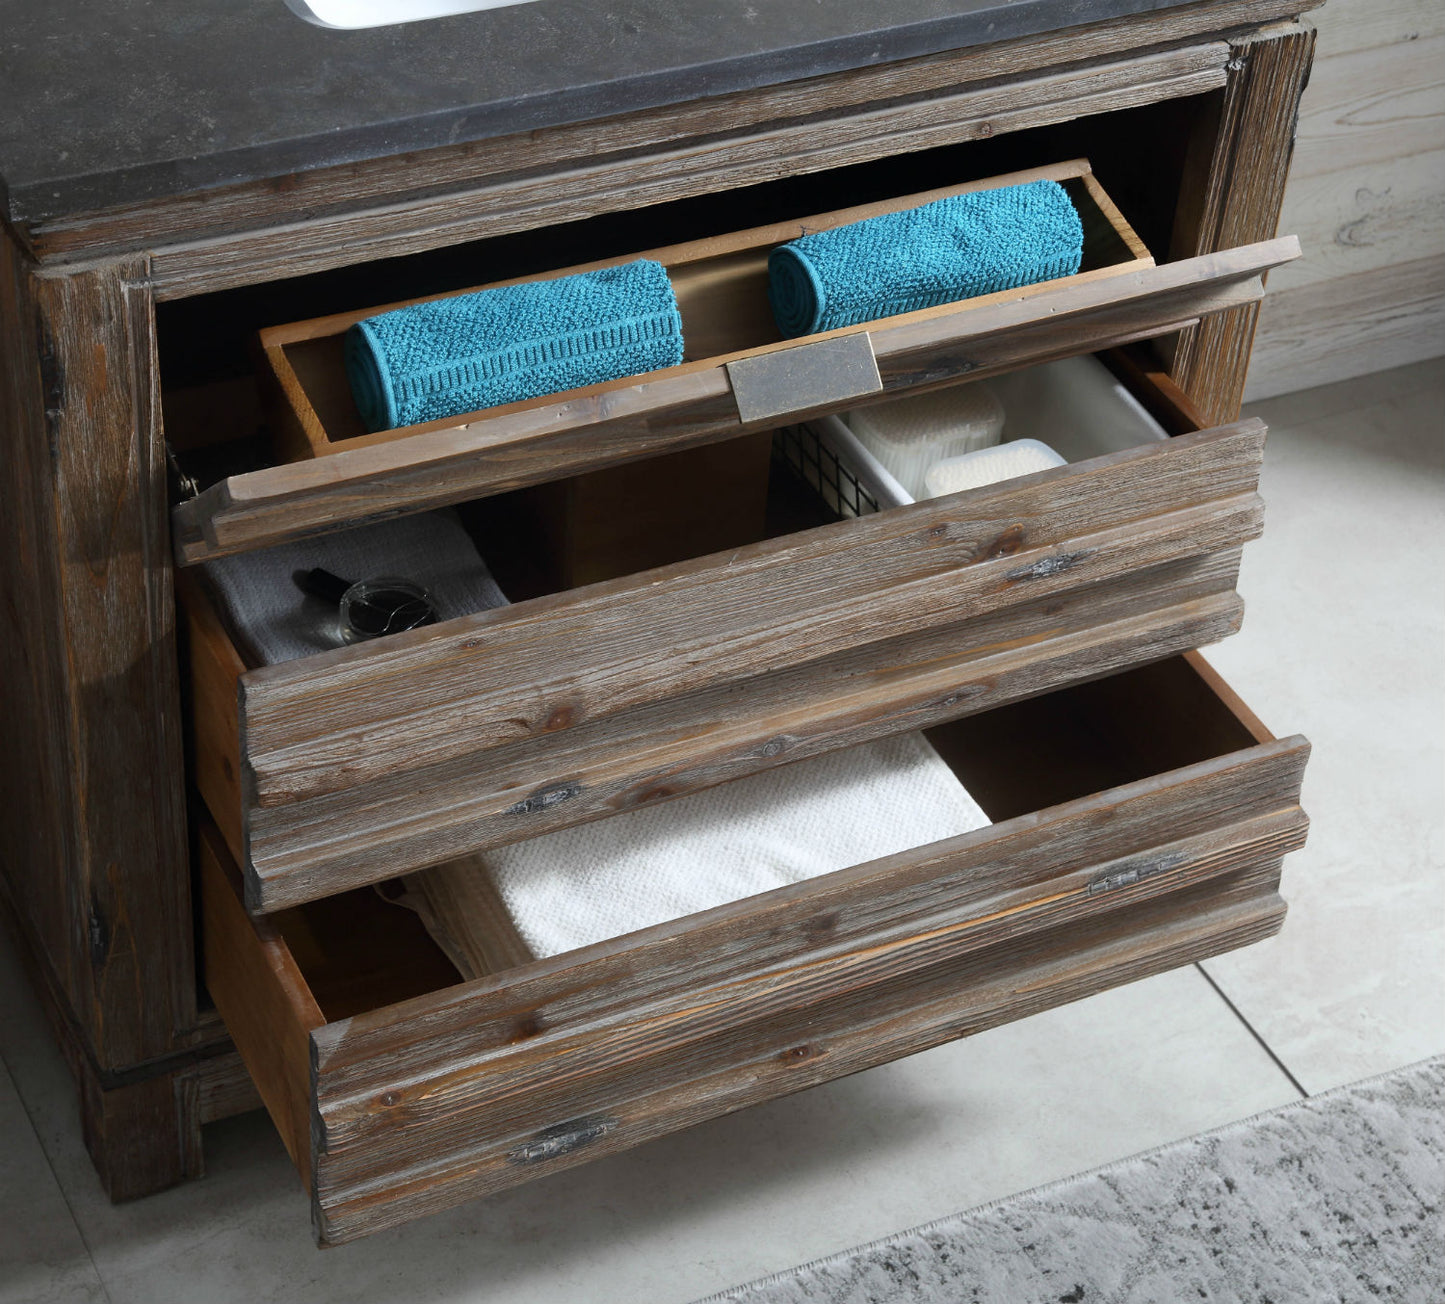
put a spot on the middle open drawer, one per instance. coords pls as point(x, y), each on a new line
point(354, 765)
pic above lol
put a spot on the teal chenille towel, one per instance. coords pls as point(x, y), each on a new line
point(472, 351)
point(953, 248)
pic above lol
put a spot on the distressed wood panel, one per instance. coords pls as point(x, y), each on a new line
point(437, 1100)
point(505, 719)
point(504, 674)
point(35, 774)
point(954, 1000)
point(1367, 105)
point(98, 864)
point(1362, 219)
point(660, 753)
point(1349, 326)
point(623, 421)
point(1233, 195)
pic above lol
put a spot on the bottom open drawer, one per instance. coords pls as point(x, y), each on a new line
point(1139, 825)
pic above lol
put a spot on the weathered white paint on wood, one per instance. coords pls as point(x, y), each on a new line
point(1367, 198)
point(1363, 219)
point(1350, 326)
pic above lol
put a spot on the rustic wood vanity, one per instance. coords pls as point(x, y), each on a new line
point(196, 840)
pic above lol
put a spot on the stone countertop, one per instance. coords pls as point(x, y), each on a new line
point(111, 104)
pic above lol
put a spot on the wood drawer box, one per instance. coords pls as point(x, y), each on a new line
point(727, 385)
point(1140, 823)
point(356, 765)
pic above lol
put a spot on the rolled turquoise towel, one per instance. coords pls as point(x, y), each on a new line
point(439, 359)
point(953, 248)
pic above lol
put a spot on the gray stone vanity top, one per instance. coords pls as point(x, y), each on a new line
point(105, 104)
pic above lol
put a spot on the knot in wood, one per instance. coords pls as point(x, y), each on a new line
point(563, 717)
point(1007, 543)
point(821, 926)
point(796, 1054)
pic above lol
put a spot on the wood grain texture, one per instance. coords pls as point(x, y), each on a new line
point(941, 1005)
point(1350, 326)
point(1367, 196)
point(506, 720)
point(527, 201)
point(223, 1088)
point(1236, 191)
point(1371, 104)
point(505, 674)
point(215, 745)
point(1364, 218)
point(665, 752)
point(263, 998)
point(448, 463)
point(235, 218)
point(443, 1097)
point(97, 867)
point(1349, 25)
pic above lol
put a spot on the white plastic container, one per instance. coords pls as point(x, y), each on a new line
point(909, 435)
point(989, 466)
point(1075, 406)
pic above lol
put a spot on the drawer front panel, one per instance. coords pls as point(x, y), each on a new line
point(683, 745)
point(631, 420)
point(487, 1084)
point(370, 746)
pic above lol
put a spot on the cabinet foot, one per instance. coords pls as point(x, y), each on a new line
point(144, 1136)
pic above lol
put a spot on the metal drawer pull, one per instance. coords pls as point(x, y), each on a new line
point(801, 379)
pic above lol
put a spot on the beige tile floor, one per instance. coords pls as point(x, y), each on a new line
point(1343, 643)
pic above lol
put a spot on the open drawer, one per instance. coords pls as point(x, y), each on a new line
point(737, 376)
point(1139, 825)
point(358, 764)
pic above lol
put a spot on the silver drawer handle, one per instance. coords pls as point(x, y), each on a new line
point(808, 376)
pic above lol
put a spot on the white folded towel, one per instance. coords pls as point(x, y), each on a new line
point(582, 885)
point(274, 621)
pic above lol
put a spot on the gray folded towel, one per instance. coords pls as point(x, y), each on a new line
point(274, 621)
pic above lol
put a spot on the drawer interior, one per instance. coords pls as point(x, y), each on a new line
point(1140, 821)
point(250, 445)
point(721, 286)
point(621, 521)
point(358, 952)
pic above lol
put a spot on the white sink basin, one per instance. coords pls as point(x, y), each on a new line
point(387, 13)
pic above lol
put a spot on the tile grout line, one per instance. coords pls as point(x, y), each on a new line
point(55, 1177)
point(1253, 1032)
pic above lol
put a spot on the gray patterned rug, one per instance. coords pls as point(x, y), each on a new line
point(1336, 1198)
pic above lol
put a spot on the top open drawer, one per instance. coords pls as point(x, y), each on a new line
point(737, 376)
